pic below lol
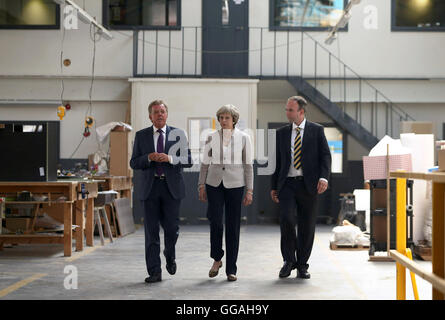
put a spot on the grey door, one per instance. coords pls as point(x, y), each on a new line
point(225, 38)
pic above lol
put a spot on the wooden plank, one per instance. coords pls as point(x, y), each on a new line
point(342, 247)
point(89, 227)
point(436, 281)
point(433, 176)
point(438, 235)
point(32, 239)
point(124, 216)
point(79, 207)
point(67, 231)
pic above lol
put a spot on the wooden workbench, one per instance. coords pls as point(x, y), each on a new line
point(121, 184)
point(72, 203)
point(438, 201)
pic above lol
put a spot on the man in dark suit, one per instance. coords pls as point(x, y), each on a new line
point(303, 165)
point(161, 152)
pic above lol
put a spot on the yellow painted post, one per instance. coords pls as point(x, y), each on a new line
point(413, 275)
point(401, 236)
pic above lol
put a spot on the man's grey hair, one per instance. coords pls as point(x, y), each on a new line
point(230, 109)
point(157, 102)
point(301, 102)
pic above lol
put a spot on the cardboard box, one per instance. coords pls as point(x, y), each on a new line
point(18, 224)
point(418, 127)
point(375, 167)
point(119, 154)
point(441, 159)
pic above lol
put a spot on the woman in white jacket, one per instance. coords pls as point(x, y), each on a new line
point(226, 172)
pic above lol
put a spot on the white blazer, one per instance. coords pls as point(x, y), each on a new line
point(233, 167)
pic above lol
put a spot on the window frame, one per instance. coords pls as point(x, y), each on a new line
point(56, 26)
point(272, 27)
point(105, 17)
point(409, 29)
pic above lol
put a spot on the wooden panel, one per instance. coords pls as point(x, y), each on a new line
point(32, 239)
point(438, 235)
point(79, 207)
point(67, 230)
point(124, 216)
point(89, 226)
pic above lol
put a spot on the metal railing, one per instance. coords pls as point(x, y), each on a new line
point(274, 54)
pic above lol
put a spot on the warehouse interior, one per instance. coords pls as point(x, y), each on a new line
point(76, 81)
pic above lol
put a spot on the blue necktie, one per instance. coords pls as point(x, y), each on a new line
point(160, 149)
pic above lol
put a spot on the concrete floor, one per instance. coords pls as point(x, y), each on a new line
point(117, 271)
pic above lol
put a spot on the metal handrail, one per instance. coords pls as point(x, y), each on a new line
point(391, 111)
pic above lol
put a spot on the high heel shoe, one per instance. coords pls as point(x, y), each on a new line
point(231, 277)
point(214, 271)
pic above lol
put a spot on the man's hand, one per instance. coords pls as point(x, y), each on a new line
point(162, 157)
point(153, 156)
point(322, 186)
point(274, 196)
point(158, 157)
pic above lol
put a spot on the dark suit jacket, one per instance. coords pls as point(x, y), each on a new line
point(177, 148)
point(316, 157)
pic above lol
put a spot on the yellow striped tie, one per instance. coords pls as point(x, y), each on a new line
point(297, 150)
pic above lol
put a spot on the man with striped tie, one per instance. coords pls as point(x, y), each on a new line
point(303, 166)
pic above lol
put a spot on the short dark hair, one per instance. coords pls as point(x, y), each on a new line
point(157, 102)
point(301, 102)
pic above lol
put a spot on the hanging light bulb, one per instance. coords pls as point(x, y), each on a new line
point(61, 112)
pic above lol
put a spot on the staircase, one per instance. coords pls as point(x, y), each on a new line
point(341, 118)
point(383, 116)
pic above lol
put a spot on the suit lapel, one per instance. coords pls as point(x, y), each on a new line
point(306, 136)
point(287, 144)
point(151, 144)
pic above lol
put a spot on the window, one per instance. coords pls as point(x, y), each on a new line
point(335, 142)
point(142, 14)
point(418, 15)
point(319, 14)
point(29, 14)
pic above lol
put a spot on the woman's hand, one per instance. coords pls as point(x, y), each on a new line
point(248, 197)
point(202, 194)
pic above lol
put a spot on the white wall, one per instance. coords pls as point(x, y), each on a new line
point(371, 53)
point(72, 126)
point(193, 98)
point(30, 59)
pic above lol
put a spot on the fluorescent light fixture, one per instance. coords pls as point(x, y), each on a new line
point(344, 20)
point(350, 4)
point(331, 38)
point(86, 18)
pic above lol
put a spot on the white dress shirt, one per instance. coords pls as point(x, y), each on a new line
point(292, 171)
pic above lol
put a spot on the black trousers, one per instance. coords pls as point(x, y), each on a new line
point(160, 209)
point(297, 247)
point(221, 198)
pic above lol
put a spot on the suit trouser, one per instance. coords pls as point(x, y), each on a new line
point(160, 208)
point(297, 247)
point(221, 198)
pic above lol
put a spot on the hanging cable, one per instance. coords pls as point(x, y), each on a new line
point(95, 37)
point(61, 59)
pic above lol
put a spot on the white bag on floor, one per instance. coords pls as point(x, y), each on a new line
point(348, 235)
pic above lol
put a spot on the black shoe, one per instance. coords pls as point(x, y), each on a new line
point(154, 278)
point(303, 274)
point(287, 269)
point(171, 267)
